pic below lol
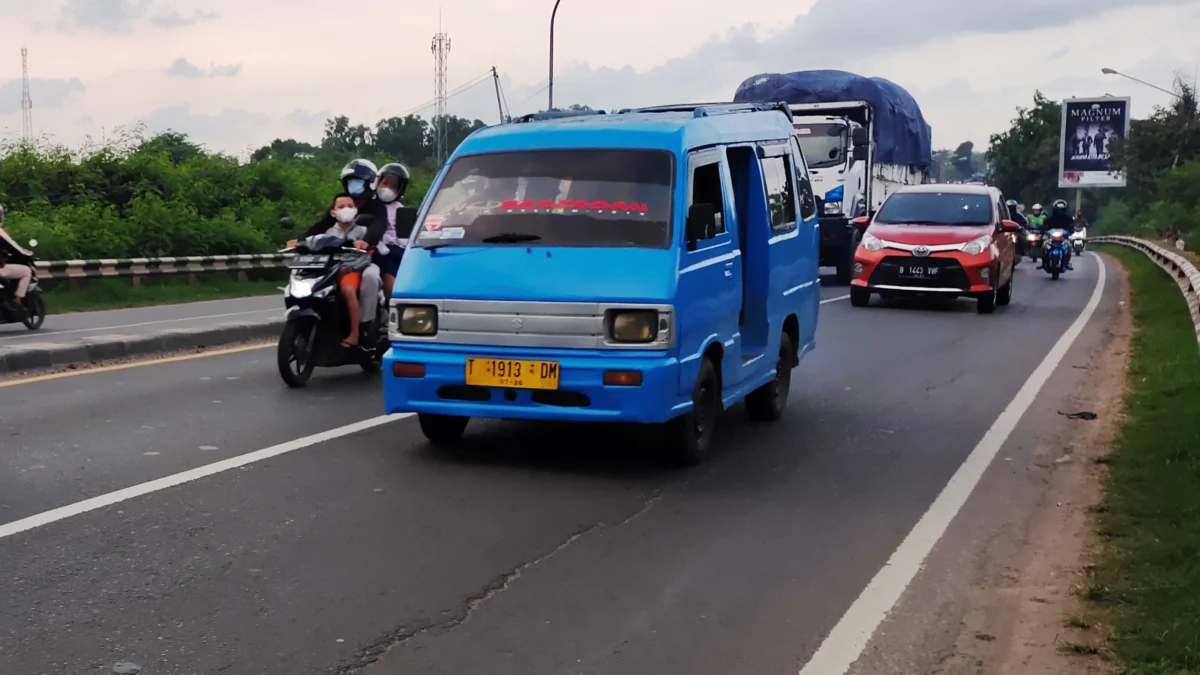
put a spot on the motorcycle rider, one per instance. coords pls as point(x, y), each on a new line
point(1014, 214)
point(1059, 218)
point(351, 283)
point(393, 182)
point(1036, 218)
point(14, 272)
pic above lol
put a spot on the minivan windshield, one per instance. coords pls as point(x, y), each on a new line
point(936, 208)
point(824, 145)
point(608, 198)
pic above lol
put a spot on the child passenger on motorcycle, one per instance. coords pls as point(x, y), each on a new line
point(360, 288)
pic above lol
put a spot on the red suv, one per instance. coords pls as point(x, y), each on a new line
point(949, 240)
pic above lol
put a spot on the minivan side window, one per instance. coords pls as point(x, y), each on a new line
point(808, 203)
point(706, 189)
point(781, 196)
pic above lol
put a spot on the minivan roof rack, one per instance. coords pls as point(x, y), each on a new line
point(709, 109)
point(554, 115)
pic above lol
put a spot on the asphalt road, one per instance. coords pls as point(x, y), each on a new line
point(536, 549)
point(81, 326)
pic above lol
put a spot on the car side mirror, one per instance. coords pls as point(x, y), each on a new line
point(860, 223)
point(286, 223)
point(701, 224)
point(1010, 226)
point(406, 218)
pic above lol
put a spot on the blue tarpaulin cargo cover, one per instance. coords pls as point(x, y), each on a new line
point(902, 136)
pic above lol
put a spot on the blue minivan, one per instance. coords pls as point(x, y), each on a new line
point(652, 266)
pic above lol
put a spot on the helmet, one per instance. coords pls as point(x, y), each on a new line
point(1012, 203)
point(1060, 206)
point(1036, 208)
point(359, 177)
point(400, 172)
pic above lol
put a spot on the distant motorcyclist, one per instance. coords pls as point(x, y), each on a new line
point(393, 182)
point(1060, 218)
point(1036, 219)
point(10, 271)
point(1014, 214)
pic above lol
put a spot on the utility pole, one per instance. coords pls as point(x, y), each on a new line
point(499, 105)
point(441, 49)
point(26, 99)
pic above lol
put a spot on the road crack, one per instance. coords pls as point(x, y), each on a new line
point(474, 603)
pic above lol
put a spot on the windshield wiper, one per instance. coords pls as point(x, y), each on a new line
point(510, 238)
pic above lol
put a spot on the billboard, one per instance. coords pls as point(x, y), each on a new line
point(1089, 127)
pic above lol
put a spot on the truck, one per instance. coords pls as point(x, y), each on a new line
point(862, 138)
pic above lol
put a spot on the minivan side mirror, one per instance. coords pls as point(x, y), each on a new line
point(861, 223)
point(701, 224)
point(1010, 226)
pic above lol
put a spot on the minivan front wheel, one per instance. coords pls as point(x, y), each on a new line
point(690, 436)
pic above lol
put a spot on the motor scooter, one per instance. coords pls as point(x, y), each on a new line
point(33, 303)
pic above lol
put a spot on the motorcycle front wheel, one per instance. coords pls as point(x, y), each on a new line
point(35, 311)
point(295, 353)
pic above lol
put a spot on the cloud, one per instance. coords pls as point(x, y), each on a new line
point(229, 128)
point(173, 19)
point(108, 16)
point(46, 94)
point(307, 120)
point(181, 67)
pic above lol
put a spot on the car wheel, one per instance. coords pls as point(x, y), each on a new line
point(442, 429)
point(986, 304)
point(690, 436)
point(1004, 297)
point(767, 403)
point(859, 296)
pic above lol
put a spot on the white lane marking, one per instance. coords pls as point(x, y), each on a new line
point(101, 501)
point(144, 323)
point(840, 297)
point(849, 638)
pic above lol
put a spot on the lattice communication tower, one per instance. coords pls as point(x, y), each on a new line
point(26, 99)
point(441, 50)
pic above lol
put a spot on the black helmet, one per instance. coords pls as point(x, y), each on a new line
point(359, 177)
point(1059, 206)
point(401, 174)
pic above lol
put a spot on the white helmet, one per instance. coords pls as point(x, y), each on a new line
point(1037, 207)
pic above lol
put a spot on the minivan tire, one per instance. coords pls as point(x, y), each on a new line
point(442, 429)
point(859, 296)
point(690, 436)
point(768, 402)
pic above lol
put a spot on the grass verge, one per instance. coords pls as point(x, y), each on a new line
point(97, 294)
point(1147, 578)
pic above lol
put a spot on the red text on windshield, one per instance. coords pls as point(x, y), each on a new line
point(577, 205)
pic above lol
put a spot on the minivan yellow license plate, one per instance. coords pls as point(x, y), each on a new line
point(512, 373)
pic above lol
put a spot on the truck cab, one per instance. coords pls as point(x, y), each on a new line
point(653, 266)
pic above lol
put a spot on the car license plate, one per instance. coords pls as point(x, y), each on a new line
point(512, 373)
point(919, 271)
point(308, 261)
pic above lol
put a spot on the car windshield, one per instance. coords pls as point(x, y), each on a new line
point(936, 208)
point(554, 198)
point(824, 145)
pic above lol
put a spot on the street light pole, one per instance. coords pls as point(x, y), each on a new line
point(551, 87)
point(1110, 71)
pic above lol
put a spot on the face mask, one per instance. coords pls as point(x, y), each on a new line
point(387, 194)
point(346, 215)
point(356, 187)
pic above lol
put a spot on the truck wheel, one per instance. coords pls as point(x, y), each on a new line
point(846, 260)
point(442, 429)
point(859, 296)
point(689, 437)
point(767, 403)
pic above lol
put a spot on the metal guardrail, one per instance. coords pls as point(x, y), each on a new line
point(1180, 268)
point(148, 267)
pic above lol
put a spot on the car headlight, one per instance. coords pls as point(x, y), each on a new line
point(977, 246)
point(872, 243)
point(634, 326)
point(833, 207)
point(415, 319)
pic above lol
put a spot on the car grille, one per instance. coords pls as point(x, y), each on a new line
point(951, 274)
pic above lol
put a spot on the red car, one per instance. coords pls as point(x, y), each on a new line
point(948, 240)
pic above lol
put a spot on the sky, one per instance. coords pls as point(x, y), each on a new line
point(235, 75)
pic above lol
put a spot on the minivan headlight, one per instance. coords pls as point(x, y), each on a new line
point(634, 326)
point(872, 243)
point(977, 246)
point(414, 319)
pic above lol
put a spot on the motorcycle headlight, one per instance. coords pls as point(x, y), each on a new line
point(977, 246)
point(1056, 235)
point(415, 319)
point(872, 243)
point(301, 288)
point(1031, 237)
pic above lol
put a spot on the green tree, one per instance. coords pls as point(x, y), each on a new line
point(1024, 158)
point(404, 139)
